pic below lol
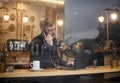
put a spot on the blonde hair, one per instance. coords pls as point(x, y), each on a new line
point(46, 22)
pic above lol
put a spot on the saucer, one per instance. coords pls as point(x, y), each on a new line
point(37, 69)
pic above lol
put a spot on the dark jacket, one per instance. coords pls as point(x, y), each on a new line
point(46, 54)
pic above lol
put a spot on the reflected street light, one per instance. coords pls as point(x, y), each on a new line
point(101, 19)
point(114, 16)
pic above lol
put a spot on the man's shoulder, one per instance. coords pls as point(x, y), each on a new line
point(38, 38)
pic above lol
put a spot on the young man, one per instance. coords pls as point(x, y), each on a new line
point(44, 46)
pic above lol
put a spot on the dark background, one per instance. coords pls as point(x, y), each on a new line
point(81, 18)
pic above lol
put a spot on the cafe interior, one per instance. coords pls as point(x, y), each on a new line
point(92, 26)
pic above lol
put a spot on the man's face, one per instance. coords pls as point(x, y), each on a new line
point(50, 30)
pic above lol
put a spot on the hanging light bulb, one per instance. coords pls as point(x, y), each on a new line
point(6, 17)
point(114, 16)
point(101, 18)
point(25, 19)
point(60, 22)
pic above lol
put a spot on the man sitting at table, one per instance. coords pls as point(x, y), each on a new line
point(44, 46)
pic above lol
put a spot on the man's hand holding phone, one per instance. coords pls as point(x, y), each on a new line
point(49, 39)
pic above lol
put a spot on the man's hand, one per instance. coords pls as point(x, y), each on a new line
point(70, 63)
point(49, 39)
point(57, 66)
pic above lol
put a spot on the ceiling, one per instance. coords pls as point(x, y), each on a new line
point(59, 2)
point(50, 3)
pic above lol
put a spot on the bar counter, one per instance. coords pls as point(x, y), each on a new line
point(106, 50)
point(58, 72)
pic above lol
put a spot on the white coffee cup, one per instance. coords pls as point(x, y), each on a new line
point(35, 65)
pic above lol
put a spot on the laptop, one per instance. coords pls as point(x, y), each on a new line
point(80, 62)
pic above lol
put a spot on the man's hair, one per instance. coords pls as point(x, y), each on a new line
point(47, 22)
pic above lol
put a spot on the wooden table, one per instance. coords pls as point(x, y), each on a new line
point(106, 50)
point(56, 72)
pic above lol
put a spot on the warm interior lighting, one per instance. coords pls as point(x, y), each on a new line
point(54, 1)
point(114, 16)
point(25, 19)
point(6, 17)
point(101, 18)
point(60, 22)
point(20, 6)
